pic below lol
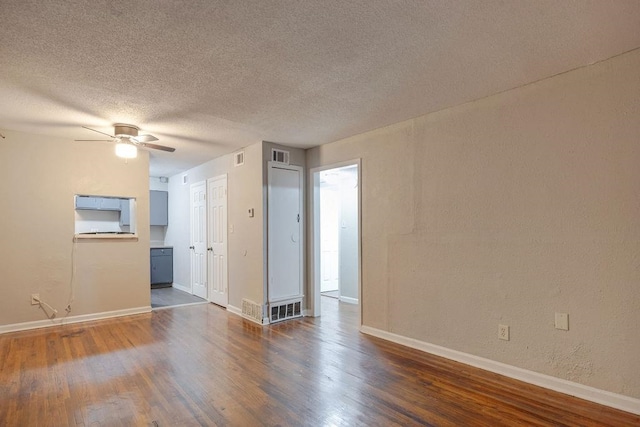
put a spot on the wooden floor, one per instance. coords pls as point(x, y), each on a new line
point(199, 365)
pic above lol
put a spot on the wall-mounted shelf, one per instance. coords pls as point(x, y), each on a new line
point(106, 236)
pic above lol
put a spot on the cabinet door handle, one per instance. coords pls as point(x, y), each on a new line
point(209, 249)
point(192, 247)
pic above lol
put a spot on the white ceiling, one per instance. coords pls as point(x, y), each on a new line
point(207, 77)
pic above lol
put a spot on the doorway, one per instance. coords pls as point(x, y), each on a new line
point(209, 261)
point(335, 210)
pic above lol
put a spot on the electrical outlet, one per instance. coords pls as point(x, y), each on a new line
point(503, 332)
point(35, 299)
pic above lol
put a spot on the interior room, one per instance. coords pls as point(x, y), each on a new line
point(320, 213)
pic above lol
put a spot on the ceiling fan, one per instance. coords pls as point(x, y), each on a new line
point(127, 139)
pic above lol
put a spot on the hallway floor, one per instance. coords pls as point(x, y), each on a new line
point(172, 297)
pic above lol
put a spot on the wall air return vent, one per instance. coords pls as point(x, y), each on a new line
point(238, 158)
point(280, 156)
point(252, 310)
point(285, 310)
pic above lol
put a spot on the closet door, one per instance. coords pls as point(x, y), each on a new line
point(284, 232)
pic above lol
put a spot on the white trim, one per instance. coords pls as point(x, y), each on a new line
point(72, 319)
point(348, 300)
point(179, 305)
point(603, 397)
point(181, 287)
point(237, 311)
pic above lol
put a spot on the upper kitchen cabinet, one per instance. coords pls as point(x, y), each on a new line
point(97, 203)
point(125, 212)
point(158, 208)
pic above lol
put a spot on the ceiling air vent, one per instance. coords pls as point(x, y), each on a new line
point(238, 158)
point(280, 156)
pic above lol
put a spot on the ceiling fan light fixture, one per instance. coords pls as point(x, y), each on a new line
point(126, 151)
point(127, 131)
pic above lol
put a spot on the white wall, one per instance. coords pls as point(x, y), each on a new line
point(329, 236)
point(507, 210)
point(349, 233)
point(40, 176)
point(156, 184)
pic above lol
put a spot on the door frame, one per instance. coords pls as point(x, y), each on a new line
point(314, 234)
point(226, 237)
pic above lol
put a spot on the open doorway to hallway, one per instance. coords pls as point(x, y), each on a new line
point(336, 234)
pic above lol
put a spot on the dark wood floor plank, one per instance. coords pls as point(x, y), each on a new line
point(199, 365)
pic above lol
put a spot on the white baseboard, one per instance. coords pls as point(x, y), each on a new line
point(233, 309)
point(72, 319)
point(603, 397)
point(179, 287)
point(238, 311)
point(349, 300)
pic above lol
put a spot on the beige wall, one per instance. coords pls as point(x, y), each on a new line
point(244, 189)
point(40, 176)
point(247, 243)
point(507, 210)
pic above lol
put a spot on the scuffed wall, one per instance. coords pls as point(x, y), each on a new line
point(507, 210)
point(40, 176)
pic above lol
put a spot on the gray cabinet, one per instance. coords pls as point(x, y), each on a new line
point(97, 203)
point(125, 212)
point(109, 204)
point(86, 202)
point(158, 208)
point(161, 266)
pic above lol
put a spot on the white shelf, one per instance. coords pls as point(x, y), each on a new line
point(133, 237)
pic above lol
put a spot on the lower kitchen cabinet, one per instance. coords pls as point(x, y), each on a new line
point(161, 266)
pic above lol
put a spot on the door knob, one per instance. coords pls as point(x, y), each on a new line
point(209, 249)
point(192, 247)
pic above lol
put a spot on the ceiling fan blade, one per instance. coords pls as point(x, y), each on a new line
point(157, 147)
point(102, 140)
point(145, 138)
point(99, 132)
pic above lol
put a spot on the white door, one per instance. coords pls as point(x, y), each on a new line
point(285, 232)
point(217, 250)
point(198, 207)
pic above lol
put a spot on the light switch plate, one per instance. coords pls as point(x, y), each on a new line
point(562, 321)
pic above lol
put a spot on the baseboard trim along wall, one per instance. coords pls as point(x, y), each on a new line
point(181, 288)
point(592, 394)
point(349, 300)
point(15, 327)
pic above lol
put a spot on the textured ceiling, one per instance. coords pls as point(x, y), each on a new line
point(207, 77)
